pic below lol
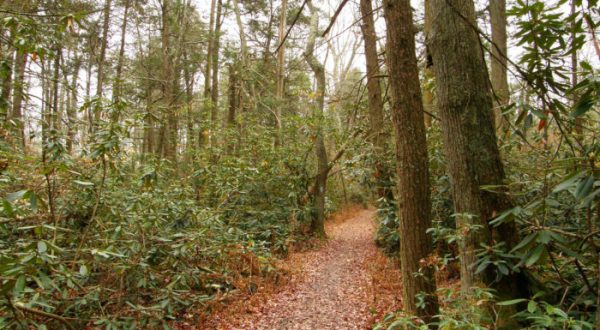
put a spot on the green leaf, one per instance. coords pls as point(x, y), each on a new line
point(569, 182)
point(531, 306)
point(582, 106)
point(83, 271)
point(535, 255)
point(83, 183)
point(42, 247)
point(16, 195)
point(511, 302)
point(525, 242)
point(584, 187)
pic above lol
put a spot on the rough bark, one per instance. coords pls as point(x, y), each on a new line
point(470, 143)
point(318, 221)
point(376, 116)
point(428, 95)
point(414, 202)
point(499, 71)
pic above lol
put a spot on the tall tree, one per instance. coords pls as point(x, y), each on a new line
point(168, 139)
point(376, 116)
point(18, 95)
point(499, 61)
point(280, 73)
point(320, 186)
point(204, 132)
point(102, 57)
point(470, 143)
point(118, 82)
point(214, 92)
point(414, 203)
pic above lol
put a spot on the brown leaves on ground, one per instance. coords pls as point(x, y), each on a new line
point(346, 283)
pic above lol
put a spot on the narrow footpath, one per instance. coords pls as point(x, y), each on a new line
point(345, 284)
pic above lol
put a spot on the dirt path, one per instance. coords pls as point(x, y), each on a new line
point(336, 289)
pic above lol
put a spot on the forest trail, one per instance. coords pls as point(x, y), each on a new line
point(336, 288)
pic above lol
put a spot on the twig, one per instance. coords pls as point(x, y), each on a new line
point(44, 314)
point(334, 17)
point(291, 27)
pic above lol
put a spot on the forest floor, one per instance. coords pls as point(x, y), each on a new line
point(343, 283)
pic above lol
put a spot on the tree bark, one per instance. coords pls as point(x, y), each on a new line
point(72, 112)
point(280, 88)
point(318, 221)
point(204, 131)
point(214, 93)
point(18, 93)
point(102, 58)
point(118, 83)
point(499, 61)
point(470, 144)
point(169, 134)
point(376, 116)
point(414, 202)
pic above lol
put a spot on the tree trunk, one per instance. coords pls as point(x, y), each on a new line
point(233, 99)
point(188, 76)
point(470, 144)
point(72, 109)
point(414, 202)
point(118, 83)
point(574, 65)
point(318, 221)
point(279, 92)
point(499, 61)
point(376, 116)
point(19, 84)
point(169, 122)
point(8, 57)
point(214, 93)
point(102, 58)
point(207, 97)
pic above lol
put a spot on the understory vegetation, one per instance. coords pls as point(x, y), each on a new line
point(159, 157)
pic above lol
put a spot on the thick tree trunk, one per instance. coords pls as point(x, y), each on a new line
point(414, 203)
point(499, 61)
point(376, 116)
point(470, 144)
point(318, 222)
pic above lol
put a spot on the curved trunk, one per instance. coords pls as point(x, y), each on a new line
point(318, 222)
